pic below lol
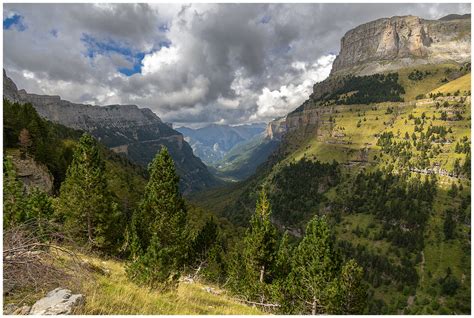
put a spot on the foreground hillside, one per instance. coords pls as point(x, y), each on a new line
point(109, 292)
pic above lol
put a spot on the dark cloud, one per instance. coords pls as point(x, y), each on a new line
point(200, 63)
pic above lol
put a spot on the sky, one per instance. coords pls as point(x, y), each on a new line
point(192, 64)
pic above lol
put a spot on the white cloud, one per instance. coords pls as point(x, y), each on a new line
point(186, 95)
point(278, 102)
point(228, 103)
point(222, 63)
point(156, 61)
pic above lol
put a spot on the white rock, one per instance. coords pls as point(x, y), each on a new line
point(59, 301)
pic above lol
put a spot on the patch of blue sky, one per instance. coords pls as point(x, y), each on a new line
point(96, 47)
point(14, 21)
point(54, 33)
point(137, 65)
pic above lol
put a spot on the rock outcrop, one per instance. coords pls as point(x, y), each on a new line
point(276, 129)
point(33, 174)
point(304, 116)
point(12, 309)
point(136, 132)
point(391, 43)
point(59, 301)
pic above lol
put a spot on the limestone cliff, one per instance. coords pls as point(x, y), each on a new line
point(383, 45)
point(136, 132)
point(391, 43)
point(304, 116)
point(276, 129)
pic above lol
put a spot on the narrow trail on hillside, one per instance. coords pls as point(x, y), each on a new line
point(422, 266)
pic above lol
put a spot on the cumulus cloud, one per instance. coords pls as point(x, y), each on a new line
point(276, 103)
point(156, 61)
point(191, 64)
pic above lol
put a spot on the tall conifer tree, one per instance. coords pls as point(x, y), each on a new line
point(14, 199)
point(318, 283)
point(85, 202)
point(315, 266)
point(158, 229)
point(260, 247)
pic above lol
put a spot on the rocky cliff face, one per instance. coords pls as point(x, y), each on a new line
point(136, 132)
point(384, 45)
point(276, 129)
point(391, 43)
point(304, 116)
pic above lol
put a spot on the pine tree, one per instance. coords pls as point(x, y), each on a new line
point(14, 199)
point(281, 285)
point(467, 165)
point(283, 257)
point(39, 205)
point(318, 284)
point(349, 293)
point(315, 267)
point(85, 203)
point(449, 225)
point(158, 232)
point(203, 242)
point(260, 247)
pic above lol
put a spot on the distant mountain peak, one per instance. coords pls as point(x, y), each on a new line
point(212, 142)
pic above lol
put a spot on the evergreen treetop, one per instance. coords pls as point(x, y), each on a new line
point(159, 244)
point(85, 203)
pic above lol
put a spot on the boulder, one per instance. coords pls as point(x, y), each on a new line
point(59, 301)
point(23, 310)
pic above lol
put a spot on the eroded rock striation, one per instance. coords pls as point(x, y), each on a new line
point(391, 43)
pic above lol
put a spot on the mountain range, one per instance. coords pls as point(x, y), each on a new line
point(211, 143)
point(381, 150)
point(135, 132)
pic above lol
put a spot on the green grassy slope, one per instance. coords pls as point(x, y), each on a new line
point(350, 135)
point(462, 84)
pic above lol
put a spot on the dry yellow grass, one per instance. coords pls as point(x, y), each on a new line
point(115, 294)
point(463, 84)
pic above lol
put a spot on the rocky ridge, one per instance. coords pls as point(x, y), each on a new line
point(304, 116)
point(136, 132)
point(385, 44)
point(391, 43)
